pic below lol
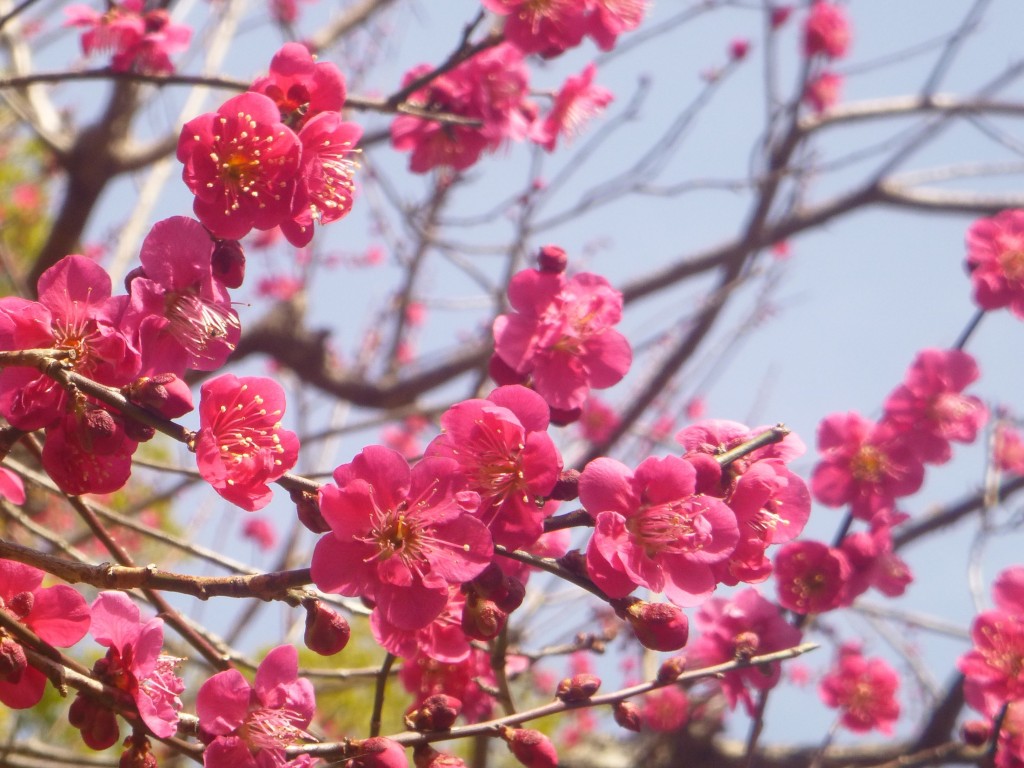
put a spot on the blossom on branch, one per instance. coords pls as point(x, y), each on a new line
point(141, 40)
point(826, 31)
point(241, 445)
point(995, 260)
point(610, 18)
point(576, 103)
point(547, 27)
point(864, 690)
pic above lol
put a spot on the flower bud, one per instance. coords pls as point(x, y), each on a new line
point(164, 393)
point(435, 713)
point(377, 752)
point(96, 723)
point(627, 715)
point(425, 756)
point(975, 733)
point(309, 511)
point(482, 619)
point(567, 487)
point(577, 688)
point(21, 604)
point(503, 373)
point(658, 626)
point(563, 417)
point(327, 632)
point(552, 259)
point(227, 262)
point(671, 669)
point(531, 748)
point(137, 754)
point(131, 276)
point(12, 661)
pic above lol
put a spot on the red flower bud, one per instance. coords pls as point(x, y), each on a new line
point(482, 619)
point(377, 752)
point(975, 732)
point(746, 644)
point(671, 669)
point(552, 259)
point(96, 723)
point(12, 661)
point(228, 263)
point(627, 715)
point(436, 713)
point(309, 511)
point(327, 632)
point(425, 756)
point(563, 417)
point(137, 754)
point(568, 486)
point(578, 688)
point(658, 626)
point(531, 748)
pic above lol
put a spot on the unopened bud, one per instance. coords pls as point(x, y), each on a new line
point(97, 724)
point(163, 393)
point(578, 688)
point(21, 604)
point(563, 417)
point(327, 632)
point(567, 487)
point(976, 733)
point(12, 661)
point(552, 259)
point(378, 752)
point(435, 713)
point(503, 373)
point(575, 562)
point(309, 511)
point(132, 276)
point(228, 263)
point(495, 585)
point(531, 748)
point(627, 715)
point(671, 669)
point(658, 626)
point(425, 756)
point(137, 754)
point(482, 619)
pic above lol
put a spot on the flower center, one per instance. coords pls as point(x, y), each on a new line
point(868, 465)
point(678, 527)
point(271, 728)
point(1012, 262)
point(196, 322)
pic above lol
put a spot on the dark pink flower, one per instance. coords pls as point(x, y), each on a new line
point(252, 724)
point(134, 663)
point(75, 313)
point(399, 536)
point(241, 163)
point(665, 709)
point(117, 30)
point(995, 260)
point(610, 18)
point(425, 677)
point(994, 667)
point(88, 450)
point(929, 409)
point(442, 639)
point(547, 27)
point(1008, 449)
point(739, 48)
point(182, 314)
point(745, 625)
point(506, 455)
point(57, 614)
point(152, 53)
point(823, 91)
point(865, 465)
point(864, 690)
point(241, 445)
point(653, 529)
point(577, 103)
point(826, 31)
point(561, 335)
point(261, 532)
point(301, 86)
point(780, 15)
point(811, 577)
point(873, 562)
point(597, 420)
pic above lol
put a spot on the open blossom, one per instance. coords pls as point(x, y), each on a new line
point(865, 465)
point(826, 31)
point(994, 668)
point(873, 561)
point(995, 260)
point(864, 690)
point(400, 535)
point(182, 314)
point(610, 18)
point(665, 709)
point(140, 40)
point(424, 677)
point(134, 663)
point(506, 455)
point(241, 445)
point(241, 162)
point(251, 725)
point(442, 639)
point(823, 91)
point(811, 577)
point(301, 86)
point(58, 614)
point(560, 335)
point(653, 529)
point(576, 103)
point(548, 27)
point(743, 626)
point(929, 409)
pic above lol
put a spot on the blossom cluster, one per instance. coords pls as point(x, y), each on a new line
point(826, 38)
point(140, 40)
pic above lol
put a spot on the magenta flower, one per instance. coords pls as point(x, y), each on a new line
point(577, 102)
point(995, 259)
point(994, 667)
point(251, 725)
point(873, 563)
point(826, 31)
point(88, 450)
point(506, 455)
point(76, 313)
point(141, 41)
point(57, 614)
point(745, 625)
point(399, 536)
point(865, 465)
point(241, 163)
point(134, 663)
point(442, 639)
point(811, 577)
point(610, 18)
point(561, 335)
point(301, 86)
point(653, 529)
point(182, 313)
point(929, 409)
point(241, 445)
point(823, 91)
point(547, 28)
point(864, 690)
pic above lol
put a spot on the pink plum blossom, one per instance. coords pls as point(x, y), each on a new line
point(811, 577)
point(399, 536)
point(560, 334)
point(665, 709)
point(873, 561)
point(994, 668)
point(929, 409)
point(654, 530)
point(743, 626)
point(249, 726)
point(823, 91)
point(58, 615)
point(241, 445)
point(864, 690)
point(140, 40)
point(301, 86)
point(995, 260)
point(548, 27)
point(576, 103)
point(610, 18)
point(506, 456)
point(826, 31)
point(241, 162)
